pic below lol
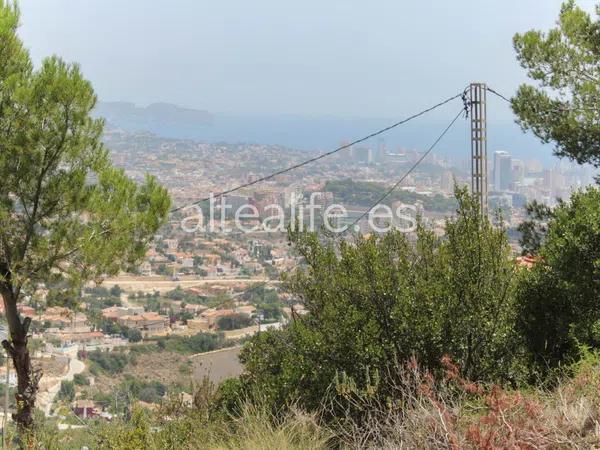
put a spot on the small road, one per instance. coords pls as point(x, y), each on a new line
point(46, 399)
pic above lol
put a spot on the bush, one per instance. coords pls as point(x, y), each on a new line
point(133, 335)
point(67, 391)
point(255, 428)
point(176, 294)
point(422, 412)
point(80, 380)
point(199, 343)
point(185, 369)
point(116, 291)
point(149, 392)
point(270, 311)
point(111, 362)
point(149, 395)
point(110, 327)
point(453, 412)
point(234, 322)
point(558, 297)
point(384, 299)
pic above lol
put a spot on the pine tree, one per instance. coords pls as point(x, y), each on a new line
point(66, 214)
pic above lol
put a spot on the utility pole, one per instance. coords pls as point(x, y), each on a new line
point(479, 178)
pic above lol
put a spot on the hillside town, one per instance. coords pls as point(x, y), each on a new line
point(216, 280)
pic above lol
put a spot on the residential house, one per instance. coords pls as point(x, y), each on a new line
point(150, 323)
point(199, 324)
point(146, 269)
point(76, 337)
point(114, 312)
point(213, 315)
point(195, 309)
point(26, 311)
point(85, 409)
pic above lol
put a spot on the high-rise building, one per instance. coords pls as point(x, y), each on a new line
point(380, 152)
point(447, 182)
point(502, 171)
point(518, 170)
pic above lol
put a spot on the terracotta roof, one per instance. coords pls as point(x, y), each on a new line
point(218, 313)
point(527, 261)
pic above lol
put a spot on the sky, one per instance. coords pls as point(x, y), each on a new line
point(340, 58)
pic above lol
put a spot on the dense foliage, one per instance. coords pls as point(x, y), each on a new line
point(66, 213)
point(110, 362)
point(533, 230)
point(384, 299)
point(559, 306)
point(146, 391)
point(234, 322)
point(564, 62)
point(67, 391)
point(403, 340)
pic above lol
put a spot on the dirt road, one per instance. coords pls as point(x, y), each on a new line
point(45, 399)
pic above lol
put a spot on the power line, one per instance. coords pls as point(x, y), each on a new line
point(548, 111)
point(295, 166)
point(407, 173)
point(498, 94)
point(389, 191)
point(321, 156)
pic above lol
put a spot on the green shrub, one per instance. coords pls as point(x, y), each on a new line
point(385, 299)
point(133, 335)
point(111, 362)
point(80, 380)
point(199, 343)
point(185, 369)
point(66, 391)
point(558, 297)
point(254, 429)
point(234, 322)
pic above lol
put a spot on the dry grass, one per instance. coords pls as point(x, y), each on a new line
point(448, 413)
point(455, 414)
point(256, 430)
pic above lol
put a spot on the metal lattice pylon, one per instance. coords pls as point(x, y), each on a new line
point(478, 110)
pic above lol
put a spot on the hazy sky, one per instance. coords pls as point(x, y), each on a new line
point(349, 58)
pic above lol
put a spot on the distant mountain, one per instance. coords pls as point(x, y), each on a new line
point(159, 118)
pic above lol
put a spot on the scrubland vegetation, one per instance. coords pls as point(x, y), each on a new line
point(432, 344)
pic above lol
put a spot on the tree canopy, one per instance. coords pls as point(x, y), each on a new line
point(66, 213)
point(563, 106)
point(559, 308)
